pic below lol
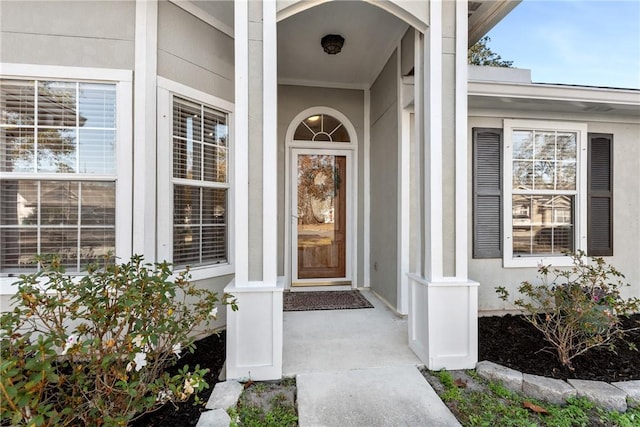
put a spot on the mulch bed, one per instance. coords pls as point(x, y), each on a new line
point(209, 353)
point(511, 341)
point(327, 300)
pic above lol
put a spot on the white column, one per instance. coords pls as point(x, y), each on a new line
point(443, 310)
point(144, 135)
point(269, 144)
point(254, 332)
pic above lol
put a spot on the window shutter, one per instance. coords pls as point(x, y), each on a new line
point(487, 193)
point(600, 195)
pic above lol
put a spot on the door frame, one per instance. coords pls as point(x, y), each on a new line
point(350, 150)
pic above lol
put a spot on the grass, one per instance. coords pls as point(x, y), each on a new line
point(496, 406)
point(266, 404)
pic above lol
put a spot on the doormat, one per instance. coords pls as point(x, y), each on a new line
point(327, 300)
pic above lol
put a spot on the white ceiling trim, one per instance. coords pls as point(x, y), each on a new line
point(327, 84)
point(400, 13)
point(297, 7)
point(204, 16)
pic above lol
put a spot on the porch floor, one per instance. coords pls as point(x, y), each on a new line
point(339, 340)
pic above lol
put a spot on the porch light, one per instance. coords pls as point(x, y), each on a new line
point(332, 43)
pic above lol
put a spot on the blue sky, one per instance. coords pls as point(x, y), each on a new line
point(584, 42)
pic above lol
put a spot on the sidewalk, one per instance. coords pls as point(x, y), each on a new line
point(394, 396)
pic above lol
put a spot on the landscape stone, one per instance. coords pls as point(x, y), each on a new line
point(214, 418)
point(225, 395)
point(632, 388)
point(509, 378)
point(547, 389)
point(602, 394)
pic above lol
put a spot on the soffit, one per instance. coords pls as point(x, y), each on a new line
point(549, 98)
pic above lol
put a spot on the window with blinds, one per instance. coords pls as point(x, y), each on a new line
point(58, 164)
point(200, 184)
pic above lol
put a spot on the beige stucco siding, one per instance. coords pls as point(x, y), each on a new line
point(59, 33)
point(626, 205)
point(384, 183)
point(291, 101)
point(194, 53)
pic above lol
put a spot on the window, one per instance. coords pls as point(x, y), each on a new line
point(544, 178)
point(194, 143)
point(200, 184)
point(59, 174)
point(531, 198)
point(321, 128)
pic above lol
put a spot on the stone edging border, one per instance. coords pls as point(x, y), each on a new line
point(615, 396)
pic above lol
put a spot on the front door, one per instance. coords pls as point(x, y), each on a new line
point(320, 218)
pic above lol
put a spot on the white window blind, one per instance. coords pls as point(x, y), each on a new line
point(200, 184)
point(58, 164)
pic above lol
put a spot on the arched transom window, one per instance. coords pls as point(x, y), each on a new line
point(321, 128)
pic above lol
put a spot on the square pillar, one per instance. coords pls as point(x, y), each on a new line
point(254, 332)
point(443, 302)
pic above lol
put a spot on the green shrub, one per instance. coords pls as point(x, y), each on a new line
point(93, 349)
point(578, 308)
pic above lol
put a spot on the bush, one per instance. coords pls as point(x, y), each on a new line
point(578, 308)
point(93, 349)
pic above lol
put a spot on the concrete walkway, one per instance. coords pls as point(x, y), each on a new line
point(355, 368)
point(393, 396)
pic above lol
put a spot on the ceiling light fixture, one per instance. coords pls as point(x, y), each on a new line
point(332, 43)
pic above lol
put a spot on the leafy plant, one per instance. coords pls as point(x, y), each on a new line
point(94, 349)
point(578, 308)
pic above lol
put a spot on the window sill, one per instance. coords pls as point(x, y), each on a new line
point(537, 261)
point(208, 271)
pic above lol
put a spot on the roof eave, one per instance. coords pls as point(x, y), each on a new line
point(485, 17)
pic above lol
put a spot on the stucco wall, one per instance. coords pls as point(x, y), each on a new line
point(384, 182)
point(291, 101)
point(194, 53)
point(626, 203)
point(60, 33)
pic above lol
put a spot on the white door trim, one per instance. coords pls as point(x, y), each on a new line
point(352, 170)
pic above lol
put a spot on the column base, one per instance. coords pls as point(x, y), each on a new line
point(443, 322)
point(254, 332)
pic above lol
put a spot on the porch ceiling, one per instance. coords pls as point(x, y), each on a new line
point(370, 35)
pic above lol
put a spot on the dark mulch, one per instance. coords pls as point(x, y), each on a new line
point(511, 341)
point(209, 353)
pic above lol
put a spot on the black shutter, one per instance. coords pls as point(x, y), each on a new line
point(487, 193)
point(600, 195)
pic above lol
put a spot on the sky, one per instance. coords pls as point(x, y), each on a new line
point(583, 42)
